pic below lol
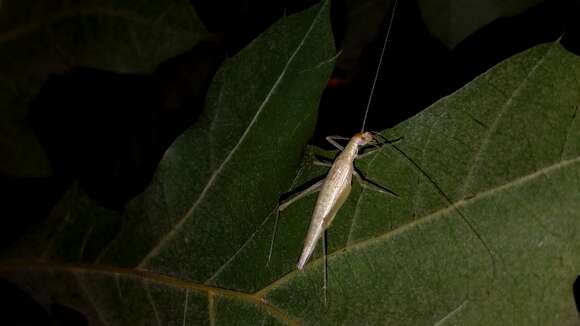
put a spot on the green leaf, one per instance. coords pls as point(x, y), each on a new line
point(49, 37)
point(504, 151)
point(453, 21)
point(212, 192)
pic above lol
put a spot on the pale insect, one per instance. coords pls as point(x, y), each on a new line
point(336, 187)
point(334, 190)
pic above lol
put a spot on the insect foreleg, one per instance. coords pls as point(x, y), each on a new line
point(368, 152)
point(332, 140)
point(285, 203)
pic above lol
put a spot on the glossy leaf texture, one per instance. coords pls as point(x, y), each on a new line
point(483, 230)
point(484, 227)
point(160, 261)
point(453, 21)
point(50, 37)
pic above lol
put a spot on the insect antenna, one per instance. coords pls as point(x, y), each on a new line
point(379, 66)
point(442, 194)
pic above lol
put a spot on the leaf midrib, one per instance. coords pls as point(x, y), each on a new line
point(77, 269)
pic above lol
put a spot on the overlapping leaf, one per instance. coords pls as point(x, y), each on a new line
point(214, 188)
point(47, 37)
point(502, 155)
point(483, 231)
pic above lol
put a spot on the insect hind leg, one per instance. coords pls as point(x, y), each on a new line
point(287, 202)
point(322, 161)
point(492, 254)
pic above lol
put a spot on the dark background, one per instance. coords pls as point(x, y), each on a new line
point(122, 132)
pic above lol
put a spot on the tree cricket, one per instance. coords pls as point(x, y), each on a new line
point(336, 187)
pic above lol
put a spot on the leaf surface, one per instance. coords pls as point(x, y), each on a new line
point(483, 230)
point(215, 187)
point(495, 164)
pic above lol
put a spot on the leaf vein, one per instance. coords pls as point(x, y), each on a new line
point(229, 260)
point(440, 213)
point(78, 269)
point(152, 302)
point(568, 130)
point(452, 313)
point(91, 299)
point(211, 308)
point(494, 125)
point(185, 307)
